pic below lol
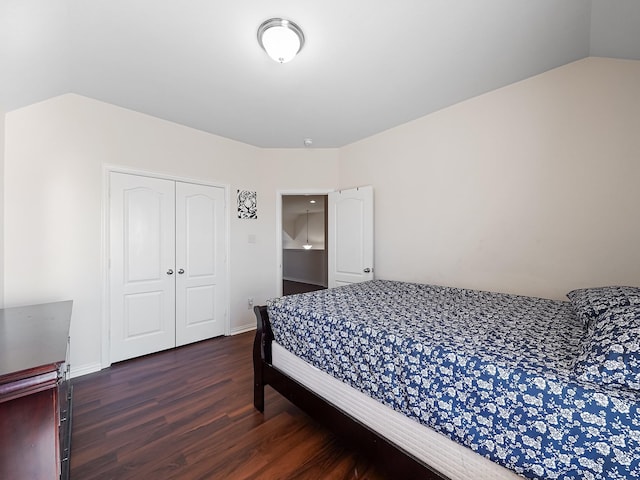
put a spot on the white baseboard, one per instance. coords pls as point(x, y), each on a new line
point(85, 369)
point(303, 280)
point(242, 329)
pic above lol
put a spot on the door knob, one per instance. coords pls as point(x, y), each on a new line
point(181, 271)
point(367, 270)
point(169, 272)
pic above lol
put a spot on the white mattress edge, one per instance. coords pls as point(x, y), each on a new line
point(443, 454)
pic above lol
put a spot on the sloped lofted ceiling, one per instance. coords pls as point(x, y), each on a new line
point(368, 65)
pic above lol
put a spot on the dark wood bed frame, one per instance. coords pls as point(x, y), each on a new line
point(401, 463)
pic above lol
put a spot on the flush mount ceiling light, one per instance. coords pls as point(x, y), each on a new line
point(281, 39)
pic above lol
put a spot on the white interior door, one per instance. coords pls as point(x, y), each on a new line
point(142, 259)
point(200, 262)
point(350, 236)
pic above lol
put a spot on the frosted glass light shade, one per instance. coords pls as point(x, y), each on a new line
point(281, 39)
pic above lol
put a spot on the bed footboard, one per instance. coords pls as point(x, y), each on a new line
point(261, 355)
point(396, 460)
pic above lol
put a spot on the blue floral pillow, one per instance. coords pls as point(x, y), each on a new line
point(612, 353)
point(589, 303)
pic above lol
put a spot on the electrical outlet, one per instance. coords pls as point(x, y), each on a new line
point(250, 303)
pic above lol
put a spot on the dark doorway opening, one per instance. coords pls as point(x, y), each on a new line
point(304, 243)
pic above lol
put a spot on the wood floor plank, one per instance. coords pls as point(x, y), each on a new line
point(187, 414)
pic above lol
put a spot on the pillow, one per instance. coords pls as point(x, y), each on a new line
point(611, 355)
point(591, 302)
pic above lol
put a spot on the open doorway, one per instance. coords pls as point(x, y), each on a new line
point(304, 243)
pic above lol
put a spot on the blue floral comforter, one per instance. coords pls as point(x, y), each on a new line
point(491, 371)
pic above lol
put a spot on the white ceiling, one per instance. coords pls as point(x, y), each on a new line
point(367, 65)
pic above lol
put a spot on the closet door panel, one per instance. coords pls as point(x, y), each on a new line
point(142, 259)
point(200, 262)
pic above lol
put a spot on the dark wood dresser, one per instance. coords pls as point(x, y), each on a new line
point(35, 394)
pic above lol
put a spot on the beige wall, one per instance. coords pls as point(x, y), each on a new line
point(306, 266)
point(533, 188)
point(530, 189)
point(289, 170)
point(1, 207)
point(55, 155)
point(294, 235)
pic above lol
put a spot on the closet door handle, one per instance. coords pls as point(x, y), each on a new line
point(169, 272)
point(181, 271)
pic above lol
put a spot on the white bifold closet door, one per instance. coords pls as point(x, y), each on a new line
point(200, 254)
point(167, 264)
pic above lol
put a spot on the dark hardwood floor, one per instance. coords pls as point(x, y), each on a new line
point(187, 413)
point(291, 288)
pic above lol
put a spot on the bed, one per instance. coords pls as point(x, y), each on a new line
point(444, 382)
